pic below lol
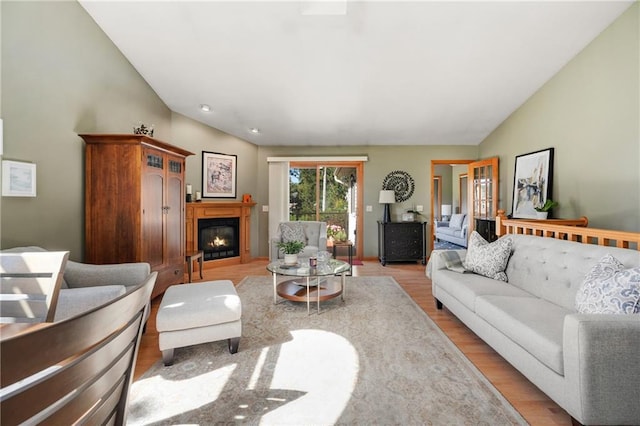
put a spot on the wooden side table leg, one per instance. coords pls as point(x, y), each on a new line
point(201, 262)
point(190, 267)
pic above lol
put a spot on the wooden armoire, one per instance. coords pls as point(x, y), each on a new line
point(135, 204)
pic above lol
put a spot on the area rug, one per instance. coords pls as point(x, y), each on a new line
point(446, 245)
point(374, 358)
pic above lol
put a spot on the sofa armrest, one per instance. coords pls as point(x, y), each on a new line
point(79, 275)
point(74, 301)
point(442, 223)
point(601, 367)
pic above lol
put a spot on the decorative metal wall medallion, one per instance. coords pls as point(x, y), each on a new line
point(401, 183)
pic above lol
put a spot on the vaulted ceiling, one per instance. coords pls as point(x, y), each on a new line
point(351, 72)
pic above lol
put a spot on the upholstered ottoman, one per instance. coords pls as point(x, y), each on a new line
point(191, 314)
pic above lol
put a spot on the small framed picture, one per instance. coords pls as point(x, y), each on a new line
point(219, 175)
point(18, 179)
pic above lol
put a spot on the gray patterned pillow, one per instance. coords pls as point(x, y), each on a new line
point(488, 259)
point(609, 288)
point(292, 231)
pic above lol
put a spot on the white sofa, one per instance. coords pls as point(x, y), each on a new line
point(87, 286)
point(587, 363)
point(454, 230)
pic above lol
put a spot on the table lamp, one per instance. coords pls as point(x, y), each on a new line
point(446, 211)
point(387, 197)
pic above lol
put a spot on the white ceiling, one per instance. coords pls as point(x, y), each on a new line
point(384, 73)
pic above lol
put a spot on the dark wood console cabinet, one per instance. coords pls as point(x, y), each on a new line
point(486, 228)
point(402, 242)
point(135, 204)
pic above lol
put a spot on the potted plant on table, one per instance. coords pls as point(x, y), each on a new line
point(542, 211)
point(291, 250)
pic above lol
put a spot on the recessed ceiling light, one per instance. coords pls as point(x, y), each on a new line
point(254, 130)
point(205, 107)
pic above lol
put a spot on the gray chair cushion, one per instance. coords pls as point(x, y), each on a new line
point(75, 301)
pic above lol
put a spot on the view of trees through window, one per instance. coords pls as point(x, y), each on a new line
point(320, 193)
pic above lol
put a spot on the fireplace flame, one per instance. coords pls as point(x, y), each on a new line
point(218, 242)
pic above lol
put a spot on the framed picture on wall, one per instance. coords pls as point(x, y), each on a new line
point(18, 179)
point(219, 175)
point(532, 182)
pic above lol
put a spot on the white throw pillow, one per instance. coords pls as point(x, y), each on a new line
point(609, 288)
point(488, 259)
point(292, 231)
point(456, 221)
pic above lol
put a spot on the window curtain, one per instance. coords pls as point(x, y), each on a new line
point(278, 196)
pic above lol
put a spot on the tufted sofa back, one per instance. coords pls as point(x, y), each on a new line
point(554, 269)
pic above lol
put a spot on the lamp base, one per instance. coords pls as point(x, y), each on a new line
point(386, 216)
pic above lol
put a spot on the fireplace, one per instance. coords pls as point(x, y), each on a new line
point(219, 238)
point(225, 210)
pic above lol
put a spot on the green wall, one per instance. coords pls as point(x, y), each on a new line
point(589, 113)
point(62, 76)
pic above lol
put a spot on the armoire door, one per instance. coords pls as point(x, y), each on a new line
point(174, 213)
point(153, 208)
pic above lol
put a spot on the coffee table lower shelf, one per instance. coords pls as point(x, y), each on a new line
point(296, 290)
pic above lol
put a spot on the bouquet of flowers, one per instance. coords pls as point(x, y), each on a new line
point(336, 232)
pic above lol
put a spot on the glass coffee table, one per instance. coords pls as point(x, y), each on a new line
point(310, 284)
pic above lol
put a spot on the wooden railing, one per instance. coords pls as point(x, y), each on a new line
point(567, 229)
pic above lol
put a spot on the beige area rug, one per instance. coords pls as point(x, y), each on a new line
point(375, 358)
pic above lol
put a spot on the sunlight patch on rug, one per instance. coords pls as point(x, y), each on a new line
point(182, 396)
point(317, 363)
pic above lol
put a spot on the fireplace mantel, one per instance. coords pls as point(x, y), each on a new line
point(219, 209)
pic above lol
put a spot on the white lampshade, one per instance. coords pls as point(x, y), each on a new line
point(387, 197)
point(446, 210)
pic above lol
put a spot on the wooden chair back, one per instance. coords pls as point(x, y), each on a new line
point(76, 371)
point(29, 285)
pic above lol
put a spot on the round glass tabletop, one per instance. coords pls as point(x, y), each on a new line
point(302, 268)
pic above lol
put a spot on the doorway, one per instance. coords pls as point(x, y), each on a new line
point(329, 192)
point(480, 178)
point(447, 178)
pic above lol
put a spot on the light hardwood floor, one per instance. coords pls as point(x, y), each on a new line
point(532, 404)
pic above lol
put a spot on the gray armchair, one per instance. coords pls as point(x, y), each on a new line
point(313, 233)
point(86, 286)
